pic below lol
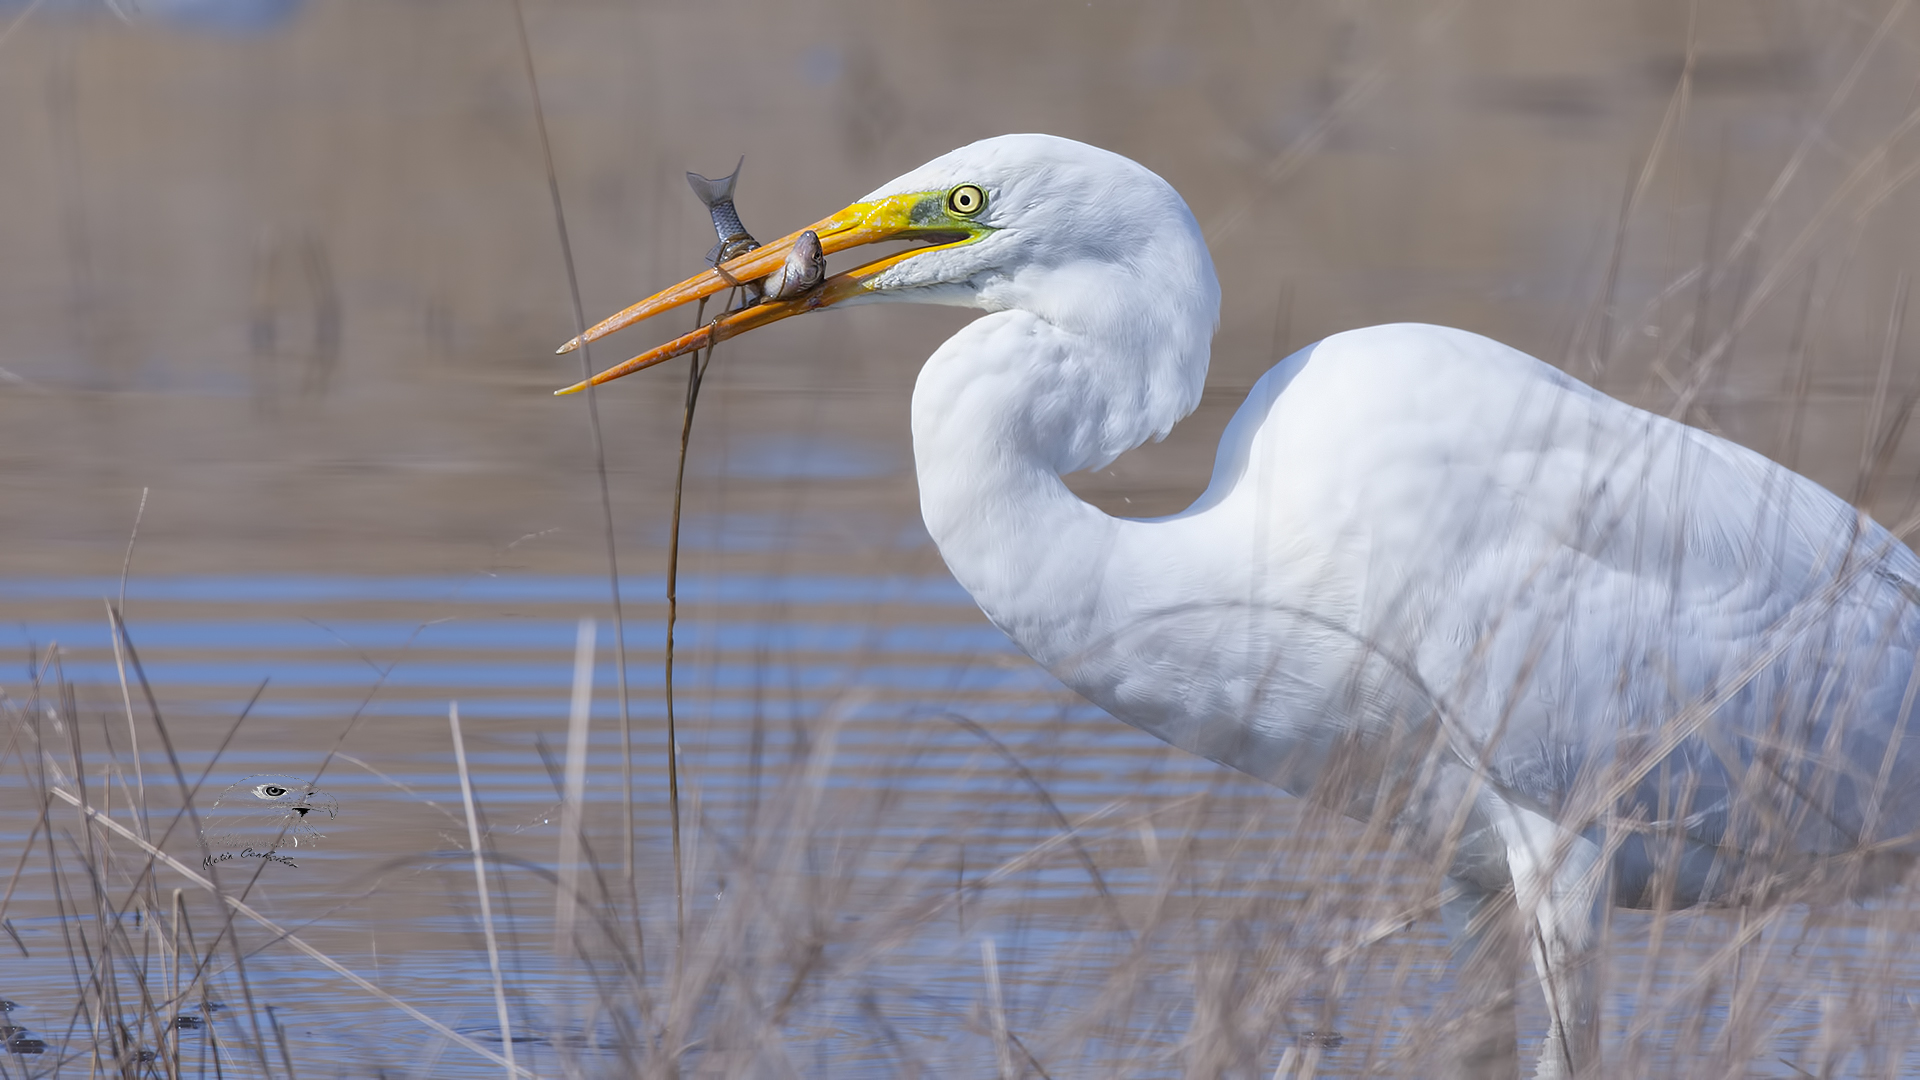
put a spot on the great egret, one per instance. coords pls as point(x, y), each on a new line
point(1590, 653)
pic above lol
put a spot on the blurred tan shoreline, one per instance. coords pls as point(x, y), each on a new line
point(304, 283)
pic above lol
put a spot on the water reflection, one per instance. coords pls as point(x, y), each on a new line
point(821, 458)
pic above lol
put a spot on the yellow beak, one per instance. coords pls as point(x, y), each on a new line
point(913, 215)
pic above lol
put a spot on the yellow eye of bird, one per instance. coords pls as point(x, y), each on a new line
point(966, 200)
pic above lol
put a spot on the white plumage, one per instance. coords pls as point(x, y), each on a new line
point(1586, 651)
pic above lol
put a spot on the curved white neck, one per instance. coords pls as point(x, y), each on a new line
point(999, 412)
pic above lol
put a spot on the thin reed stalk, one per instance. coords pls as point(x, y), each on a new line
point(178, 911)
point(480, 884)
point(996, 1007)
point(133, 730)
point(696, 372)
point(579, 723)
point(286, 1055)
point(600, 471)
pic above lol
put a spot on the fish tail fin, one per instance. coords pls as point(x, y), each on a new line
point(716, 191)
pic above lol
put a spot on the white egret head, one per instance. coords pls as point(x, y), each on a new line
point(1049, 218)
point(1092, 242)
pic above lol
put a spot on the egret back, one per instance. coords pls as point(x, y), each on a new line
point(1603, 612)
point(1427, 561)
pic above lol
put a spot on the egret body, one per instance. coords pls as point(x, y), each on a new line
point(1589, 653)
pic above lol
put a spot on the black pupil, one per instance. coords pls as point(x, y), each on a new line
point(276, 792)
point(966, 199)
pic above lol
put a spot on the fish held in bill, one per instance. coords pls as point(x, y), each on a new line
point(806, 267)
point(718, 197)
point(806, 264)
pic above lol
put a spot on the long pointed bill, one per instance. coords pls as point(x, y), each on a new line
point(912, 215)
point(734, 323)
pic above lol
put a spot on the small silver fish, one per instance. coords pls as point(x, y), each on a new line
point(806, 267)
point(718, 197)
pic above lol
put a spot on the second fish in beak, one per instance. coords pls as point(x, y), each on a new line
point(806, 264)
point(805, 268)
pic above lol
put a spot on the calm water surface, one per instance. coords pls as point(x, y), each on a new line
point(365, 668)
point(772, 667)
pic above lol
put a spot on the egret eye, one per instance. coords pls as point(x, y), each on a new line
point(966, 200)
point(273, 792)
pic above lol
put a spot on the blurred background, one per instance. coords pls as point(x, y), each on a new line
point(292, 265)
point(288, 270)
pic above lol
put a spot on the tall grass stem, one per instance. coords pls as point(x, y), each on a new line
point(599, 468)
point(126, 697)
point(579, 723)
point(480, 884)
point(696, 372)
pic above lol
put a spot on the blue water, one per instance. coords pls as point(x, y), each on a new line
point(358, 674)
point(483, 589)
point(818, 458)
point(368, 666)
